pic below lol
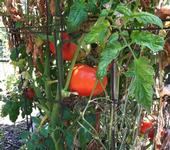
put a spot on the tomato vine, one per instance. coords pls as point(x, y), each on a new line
point(49, 38)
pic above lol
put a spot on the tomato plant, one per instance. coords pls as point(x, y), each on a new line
point(121, 36)
point(83, 81)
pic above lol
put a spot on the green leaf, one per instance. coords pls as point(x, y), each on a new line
point(13, 55)
point(84, 137)
point(147, 18)
point(104, 13)
point(44, 37)
point(14, 111)
point(91, 118)
point(49, 143)
point(19, 24)
point(98, 32)
point(24, 135)
point(21, 63)
point(67, 114)
point(30, 146)
point(143, 80)
point(84, 134)
point(152, 41)
point(36, 120)
point(91, 6)
point(110, 52)
point(114, 37)
point(5, 109)
point(11, 108)
point(77, 15)
point(69, 139)
point(44, 132)
point(124, 10)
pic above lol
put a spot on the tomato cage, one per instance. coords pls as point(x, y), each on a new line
point(78, 65)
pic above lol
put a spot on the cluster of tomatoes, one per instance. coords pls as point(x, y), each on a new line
point(83, 79)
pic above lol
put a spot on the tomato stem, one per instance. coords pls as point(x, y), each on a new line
point(128, 45)
point(47, 61)
point(138, 120)
point(90, 98)
point(104, 89)
point(95, 135)
point(111, 126)
point(71, 67)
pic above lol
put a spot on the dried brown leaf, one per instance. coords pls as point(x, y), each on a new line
point(10, 44)
point(52, 7)
point(30, 45)
point(41, 7)
point(145, 4)
point(8, 3)
point(162, 12)
point(35, 54)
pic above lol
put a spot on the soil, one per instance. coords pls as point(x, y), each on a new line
point(10, 135)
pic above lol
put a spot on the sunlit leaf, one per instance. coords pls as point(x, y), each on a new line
point(147, 18)
point(97, 32)
point(114, 37)
point(152, 41)
point(143, 80)
point(77, 15)
point(109, 53)
point(124, 10)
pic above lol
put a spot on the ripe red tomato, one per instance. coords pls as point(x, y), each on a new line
point(83, 80)
point(151, 134)
point(68, 48)
point(52, 48)
point(29, 93)
point(158, 146)
point(149, 126)
point(145, 126)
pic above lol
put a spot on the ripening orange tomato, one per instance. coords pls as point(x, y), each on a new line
point(83, 81)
